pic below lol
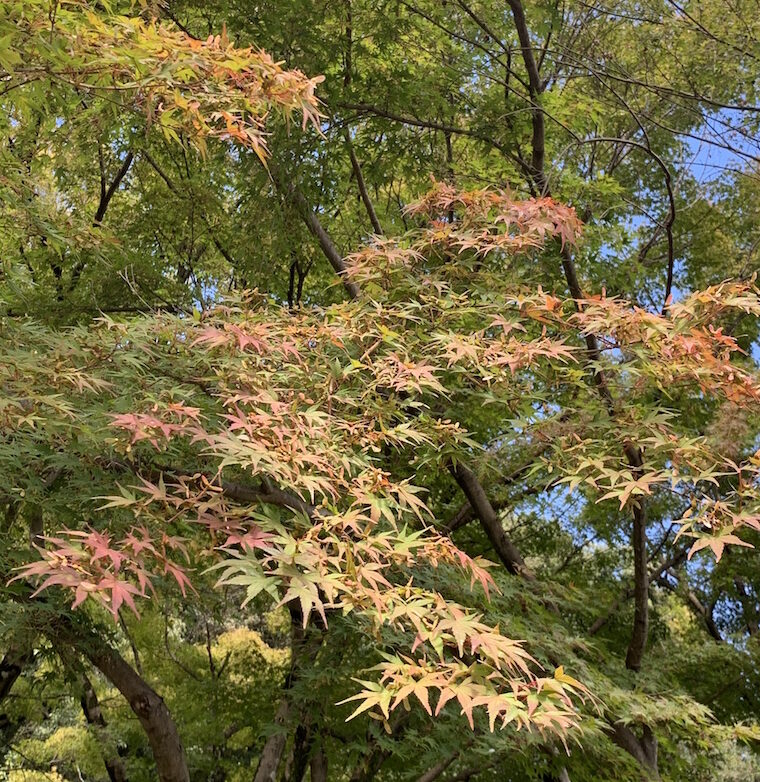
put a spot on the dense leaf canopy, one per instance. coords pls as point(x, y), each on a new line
point(378, 390)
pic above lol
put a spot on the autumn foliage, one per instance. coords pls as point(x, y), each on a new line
point(302, 407)
point(308, 456)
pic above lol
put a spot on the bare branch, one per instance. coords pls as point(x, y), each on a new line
point(357, 169)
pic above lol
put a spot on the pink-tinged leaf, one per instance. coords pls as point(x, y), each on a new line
point(212, 337)
point(179, 576)
point(121, 592)
point(83, 591)
point(254, 538)
point(446, 695)
point(423, 696)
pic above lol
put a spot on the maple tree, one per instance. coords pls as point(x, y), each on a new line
point(260, 461)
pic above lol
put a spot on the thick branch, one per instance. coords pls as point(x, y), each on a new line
point(640, 632)
point(147, 705)
point(465, 514)
point(241, 492)
point(535, 88)
point(467, 480)
point(330, 251)
point(632, 452)
point(644, 750)
point(106, 194)
point(490, 521)
point(12, 666)
point(433, 773)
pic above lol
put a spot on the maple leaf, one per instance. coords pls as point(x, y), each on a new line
point(254, 538)
point(717, 544)
point(121, 592)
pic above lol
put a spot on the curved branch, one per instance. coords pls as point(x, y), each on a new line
point(367, 108)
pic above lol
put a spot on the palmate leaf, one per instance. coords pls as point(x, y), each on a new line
point(125, 500)
point(243, 570)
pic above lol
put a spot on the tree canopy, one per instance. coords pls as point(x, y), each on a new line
point(379, 391)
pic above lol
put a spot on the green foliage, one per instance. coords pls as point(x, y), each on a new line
point(367, 533)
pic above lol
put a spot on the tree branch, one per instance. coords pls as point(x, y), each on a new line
point(672, 561)
point(107, 194)
point(330, 251)
point(371, 213)
point(535, 87)
point(490, 521)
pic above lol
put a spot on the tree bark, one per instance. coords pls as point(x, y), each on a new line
point(36, 527)
point(637, 645)
point(671, 561)
point(490, 521)
point(274, 747)
point(748, 607)
point(298, 760)
point(535, 87)
point(644, 750)
point(319, 765)
point(433, 773)
point(638, 641)
point(330, 251)
point(361, 184)
point(376, 755)
point(11, 667)
point(271, 755)
point(147, 705)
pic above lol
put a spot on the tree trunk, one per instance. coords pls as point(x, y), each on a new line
point(11, 666)
point(319, 765)
point(271, 755)
point(36, 528)
point(748, 608)
point(298, 761)
point(148, 706)
point(638, 642)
